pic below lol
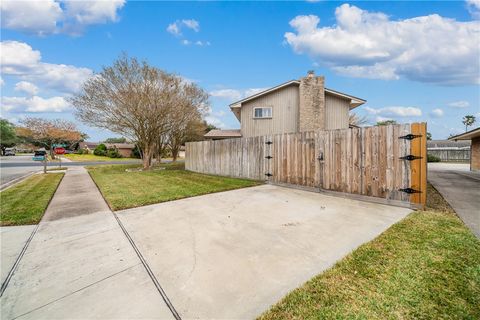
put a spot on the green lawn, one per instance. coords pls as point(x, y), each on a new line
point(92, 157)
point(26, 202)
point(427, 266)
point(124, 189)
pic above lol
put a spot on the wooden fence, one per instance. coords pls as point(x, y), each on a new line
point(386, 162)
point(451, 155)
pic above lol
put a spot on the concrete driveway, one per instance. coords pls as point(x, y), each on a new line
point(461, 188)
point(233, 254)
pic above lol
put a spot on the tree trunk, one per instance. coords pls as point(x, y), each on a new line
point(147, 159)
point(175, 154)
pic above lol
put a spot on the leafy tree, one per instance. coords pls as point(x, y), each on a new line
point(100, 150)
point(429, 136)
point(113, 153)
point(386, 122)
point(45, 133)
point(209, 127)
point(8, 136)
point(468, 120)
point(137, 101)
point(115, 140)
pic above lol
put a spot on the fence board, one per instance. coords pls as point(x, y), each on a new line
point(363, 161)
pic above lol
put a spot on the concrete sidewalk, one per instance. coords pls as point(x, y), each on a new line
point(13, 240)
point(79, 264)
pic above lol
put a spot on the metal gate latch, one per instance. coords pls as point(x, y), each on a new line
point(268, 142)
point(268, 157)
point(268, 174)
point(410, 136)
point(410, 190)
point(410, 157)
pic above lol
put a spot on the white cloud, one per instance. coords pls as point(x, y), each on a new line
point(459, 104)
point(234, 94)
point(474, 8)
point(191, 24)
point(202, 43)
point(1, 81)
point(18, 57)
point(176, 27)
point(27, 87)
point(214, 118)
point(43, 17)
point(21, 60)
point(252, 91)
point(429, 48)
point(228, 94)
point(39, 17)
point(395, 111)
point(34, 104)
point(436, 113)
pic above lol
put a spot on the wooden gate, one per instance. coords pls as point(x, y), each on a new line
point(386, 162)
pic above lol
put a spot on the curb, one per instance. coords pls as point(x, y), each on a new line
point(13, 182)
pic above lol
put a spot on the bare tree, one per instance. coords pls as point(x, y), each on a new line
point(130, 98)
point(187, 121)
point(356, 120)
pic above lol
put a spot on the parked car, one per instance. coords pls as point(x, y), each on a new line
point(9, 151)
point(39, 155)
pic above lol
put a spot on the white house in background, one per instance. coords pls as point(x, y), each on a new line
point(294, 106)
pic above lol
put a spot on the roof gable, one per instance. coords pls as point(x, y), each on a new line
point(354, 101)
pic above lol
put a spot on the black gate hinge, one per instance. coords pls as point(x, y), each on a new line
point(409, 190)
point(410, 136)
point(269, 142)
point(268, 157)
point(410, 157)
point(268, 174)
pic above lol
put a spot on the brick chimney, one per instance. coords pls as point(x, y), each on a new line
point(311, 113)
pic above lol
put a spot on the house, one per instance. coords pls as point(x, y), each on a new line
point(474, 136)
point(125, 149)
point(294, 106)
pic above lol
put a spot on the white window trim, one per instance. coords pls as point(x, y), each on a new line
point(271, 112)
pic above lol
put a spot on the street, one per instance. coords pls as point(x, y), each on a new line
point(15, 167)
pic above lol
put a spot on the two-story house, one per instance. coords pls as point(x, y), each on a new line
point(294, 106)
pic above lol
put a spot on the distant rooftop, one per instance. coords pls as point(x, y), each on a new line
point(235, 133)
point(448, 144)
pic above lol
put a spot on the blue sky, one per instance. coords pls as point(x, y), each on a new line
point(412, 61)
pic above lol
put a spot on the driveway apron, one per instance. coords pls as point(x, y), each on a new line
point(461, 189)
point(79, 264)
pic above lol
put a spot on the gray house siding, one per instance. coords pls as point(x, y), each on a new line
point(284, 104)
point(336, 112)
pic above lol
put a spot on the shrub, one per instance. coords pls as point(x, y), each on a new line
point(113, 153)
point(136, 153)
point(432, 158)
point(100, 150)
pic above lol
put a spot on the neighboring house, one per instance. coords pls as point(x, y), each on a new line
point(294, 106)
point(125, 149)
point(474, 136)
point(449, 151)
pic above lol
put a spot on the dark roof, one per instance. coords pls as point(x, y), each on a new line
point(235, 133)
point(442, 144)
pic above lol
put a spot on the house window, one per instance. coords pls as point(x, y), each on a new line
point(259, 113)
